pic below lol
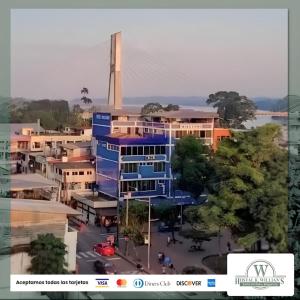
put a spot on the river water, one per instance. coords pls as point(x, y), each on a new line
point(259, 121)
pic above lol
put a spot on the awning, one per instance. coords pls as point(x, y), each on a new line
point(107, 212)
point(178, 201)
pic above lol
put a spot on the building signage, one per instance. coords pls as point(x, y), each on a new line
point(257, 274)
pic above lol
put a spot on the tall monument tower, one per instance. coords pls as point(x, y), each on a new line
point(114, 89)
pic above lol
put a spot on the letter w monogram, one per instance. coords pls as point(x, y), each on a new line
point(260, 269)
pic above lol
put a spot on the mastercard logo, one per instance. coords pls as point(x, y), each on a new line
point(121, 282)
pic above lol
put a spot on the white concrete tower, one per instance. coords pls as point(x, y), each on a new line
point(115, 88)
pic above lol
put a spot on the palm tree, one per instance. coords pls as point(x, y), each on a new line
point(48, 255)
point(85, 99)
point(84, 90)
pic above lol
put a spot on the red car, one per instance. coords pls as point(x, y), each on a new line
point(104, 249)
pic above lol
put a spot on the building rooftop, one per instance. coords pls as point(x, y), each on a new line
point(30, 205)
point(185, 114)
point(19, 182)
point(19, 138)
point(79, 145)
point(124, 135)
point(181, 113)
point(82, 158)
point(16, 127)
point(74, 165)
point(125, 111)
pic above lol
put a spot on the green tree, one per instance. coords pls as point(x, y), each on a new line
point(197, 236)
point(151, 108)
point(137, 217)
point(154, 107)
point(171, 107)
point(52, 113)
point(233, 109)
point(190, 163)
point(250, 196)
point(294, 219)
point(48, 255)
point(77, 109)
point(85, 99)
point(168, 214)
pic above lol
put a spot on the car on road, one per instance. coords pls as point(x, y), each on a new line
point(104, 249)
point(102, 267)
point(164, 227)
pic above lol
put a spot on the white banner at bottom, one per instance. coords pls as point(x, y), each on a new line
point(162, 283)
point(248, 274)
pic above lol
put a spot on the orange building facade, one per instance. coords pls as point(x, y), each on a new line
point(218, 135)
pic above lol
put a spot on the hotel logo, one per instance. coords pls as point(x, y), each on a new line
point(260, 274)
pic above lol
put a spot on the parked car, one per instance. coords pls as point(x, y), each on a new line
point(104, 249)
point(101, 267)
point(164, 227)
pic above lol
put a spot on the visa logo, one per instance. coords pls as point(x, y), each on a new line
point(102, 282)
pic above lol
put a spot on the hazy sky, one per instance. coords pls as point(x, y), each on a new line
point(165, 52)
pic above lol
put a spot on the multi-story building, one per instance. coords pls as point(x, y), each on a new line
point(133, 152)
point(71, 177)
point(25, 141)
point(28, 186)
point(29, 218)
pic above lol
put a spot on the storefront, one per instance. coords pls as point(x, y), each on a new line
point(95, 210)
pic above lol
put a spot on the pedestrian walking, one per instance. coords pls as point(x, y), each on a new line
point(160, 254)
point(229, 247)
point(164, 269)
point(172, 269)
point(139, 267)
point(167, 261)
point(168, 241)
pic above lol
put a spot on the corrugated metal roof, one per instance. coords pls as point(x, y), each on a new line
point(19, 182)
point(72, 146)
point(74, 165)
point(15, 204)
point(16, 127)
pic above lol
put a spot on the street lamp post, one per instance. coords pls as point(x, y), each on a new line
point(127, 206)
point(118, 205)
point(149, 229)
point(149, 233)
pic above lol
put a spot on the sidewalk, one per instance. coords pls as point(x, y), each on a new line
point(179, 252)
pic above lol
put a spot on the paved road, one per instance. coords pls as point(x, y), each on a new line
point(85, 256)
point(179, 252)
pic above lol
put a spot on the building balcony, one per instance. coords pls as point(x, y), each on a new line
point(144, 175)
point(159, 157)
point(192, 126)
point(137, 194)
point(125, 139)
point(141, 124)
point(166, 126)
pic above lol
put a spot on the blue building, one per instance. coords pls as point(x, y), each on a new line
point(136, 162)
point(133, 152)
